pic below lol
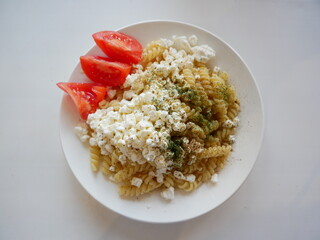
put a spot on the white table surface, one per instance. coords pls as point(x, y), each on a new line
point(40, 45)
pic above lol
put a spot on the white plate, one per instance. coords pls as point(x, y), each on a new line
point(208, 196)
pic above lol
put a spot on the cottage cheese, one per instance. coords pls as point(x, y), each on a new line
point(182, 43)
point(81, 131)
point(232, 139)
point(193, 40)
point(236, 121)
point(203, 53)
point(229, 124)
point(179, 175)
point(136, 182)
point(168, 193)
point(216, 69)
point(214, 178)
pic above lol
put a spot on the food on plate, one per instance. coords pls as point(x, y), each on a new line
point(119, 46)
point(86, 96)
point(170, 125)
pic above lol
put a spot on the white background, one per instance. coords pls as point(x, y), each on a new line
point(40, 44)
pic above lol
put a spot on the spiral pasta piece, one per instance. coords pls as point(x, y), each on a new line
point(221, 163)
point(233, 109)
point(220, 110)
point(169, 180)
point(224, 133)
point(216, 151)
point(129, 171)
point(195, 167)
point(224, 75)
point(208, 169)
point(95, 158)
point(189, 77)
point(153, 52)
point(105, 166)
point(103, 104)
point(186, 185)
point(148, 185)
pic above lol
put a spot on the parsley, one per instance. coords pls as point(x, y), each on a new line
point(176, 151)
point(207, 125)
point(158, 104)
point(223, 91)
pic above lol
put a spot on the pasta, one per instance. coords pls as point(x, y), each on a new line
point(187, 186)
point(170, 126)
point(127, 172)
point(95, 158)
point(148, 185)
point(153, 52)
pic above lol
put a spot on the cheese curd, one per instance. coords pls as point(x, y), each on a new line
point(136, 182)
point(202, 53)
point(168, 193)
point(229, 124)
point(82, 132)
point(214, 178)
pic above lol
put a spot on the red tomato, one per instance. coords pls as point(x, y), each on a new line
point(86, 96)
point(119, 46)
point(104, 70)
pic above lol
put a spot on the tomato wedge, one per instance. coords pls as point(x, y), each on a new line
point(86, 96)
point(104, 70)
point(119, 46)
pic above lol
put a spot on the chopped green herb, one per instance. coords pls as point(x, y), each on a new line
point(224, 92)
point(207, 125)
point(176, 151)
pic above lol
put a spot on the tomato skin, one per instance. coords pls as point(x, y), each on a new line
point(119, 46)
point(86, 96)
point(104, 70)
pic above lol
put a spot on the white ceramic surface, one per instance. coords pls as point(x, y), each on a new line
point(153, 208)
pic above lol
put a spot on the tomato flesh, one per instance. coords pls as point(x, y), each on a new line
point(119, 46)
point(86, 96)
point(104, 70)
